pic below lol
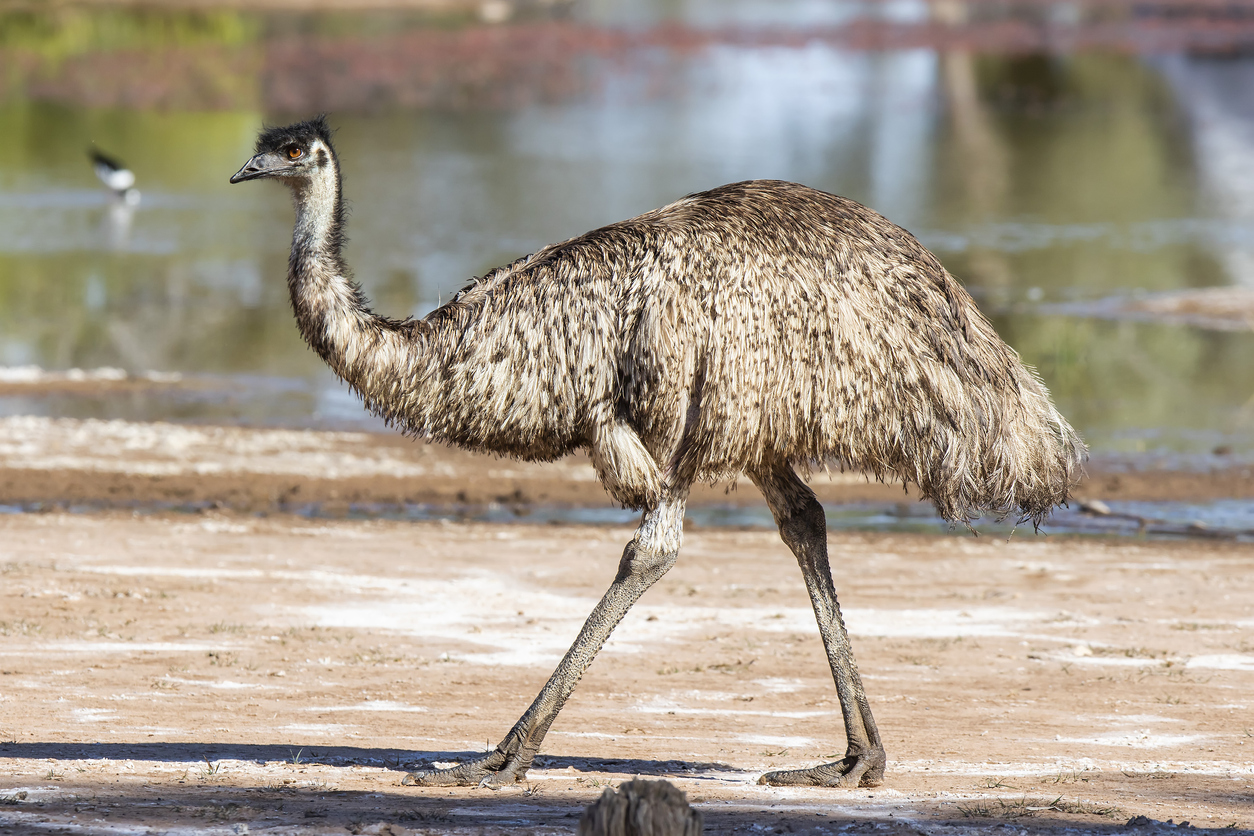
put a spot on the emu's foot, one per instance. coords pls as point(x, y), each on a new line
point(491, 771)
point(861, 770)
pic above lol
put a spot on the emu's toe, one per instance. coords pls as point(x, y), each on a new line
point(865, 769)
point(492, 771)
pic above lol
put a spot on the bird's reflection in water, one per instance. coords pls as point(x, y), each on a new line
point(116, 224)
point(120, 181)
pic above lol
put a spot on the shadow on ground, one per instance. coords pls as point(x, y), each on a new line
point(402, 760)
point(245, 788)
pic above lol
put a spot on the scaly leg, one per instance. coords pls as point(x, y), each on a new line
point(803, 526)
point(647, 557)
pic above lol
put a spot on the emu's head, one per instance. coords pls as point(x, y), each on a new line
point(294, 154)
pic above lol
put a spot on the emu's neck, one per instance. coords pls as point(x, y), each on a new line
point(319, 212)
point(368, 351)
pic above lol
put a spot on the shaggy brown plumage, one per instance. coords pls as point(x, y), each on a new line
point(752, 328)
point(754, 323)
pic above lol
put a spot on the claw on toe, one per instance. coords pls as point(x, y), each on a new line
point(433, 778)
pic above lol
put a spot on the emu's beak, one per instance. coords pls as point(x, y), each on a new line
point(259, 166)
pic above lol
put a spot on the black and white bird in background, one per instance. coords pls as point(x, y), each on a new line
point(117, 177)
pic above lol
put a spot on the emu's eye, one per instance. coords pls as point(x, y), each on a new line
point(293, 152)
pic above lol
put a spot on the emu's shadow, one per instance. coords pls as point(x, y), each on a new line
point(401, 760)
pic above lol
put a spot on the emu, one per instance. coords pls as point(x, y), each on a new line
point(757, 328)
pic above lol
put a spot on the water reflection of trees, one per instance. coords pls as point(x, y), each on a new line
point(1102, 140)
point(143, 313)
point(1081, 140)
point(1134, 386)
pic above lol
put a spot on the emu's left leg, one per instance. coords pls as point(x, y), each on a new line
point(647, 557)
point(803, 526)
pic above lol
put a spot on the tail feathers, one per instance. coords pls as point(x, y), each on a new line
point(1024, 461)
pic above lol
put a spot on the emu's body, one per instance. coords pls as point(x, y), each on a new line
point(750, 329)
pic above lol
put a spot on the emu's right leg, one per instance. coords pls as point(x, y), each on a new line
point(803, 526)
point(647, 557)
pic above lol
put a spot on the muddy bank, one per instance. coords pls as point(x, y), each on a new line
point(120, 464)
point(1214, 308)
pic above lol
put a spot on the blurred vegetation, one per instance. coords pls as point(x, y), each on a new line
point(60, 32)
point(133, 57)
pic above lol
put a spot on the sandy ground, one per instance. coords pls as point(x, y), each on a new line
point(229, 673)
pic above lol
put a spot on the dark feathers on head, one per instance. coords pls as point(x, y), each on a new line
point(301, 133)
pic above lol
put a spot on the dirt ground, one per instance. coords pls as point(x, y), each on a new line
point(225, 672)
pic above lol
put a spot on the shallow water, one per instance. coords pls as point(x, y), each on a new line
point(1049, 183)
point(1230, 520)
point(1223, 520)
